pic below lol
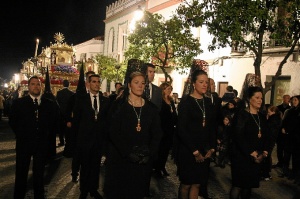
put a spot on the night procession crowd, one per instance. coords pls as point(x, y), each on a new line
point(133, 131)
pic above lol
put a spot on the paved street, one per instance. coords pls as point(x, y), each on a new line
point(59, 185)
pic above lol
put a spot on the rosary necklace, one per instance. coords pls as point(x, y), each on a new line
point(258, 124)
point(138, 116)
point(203, 110)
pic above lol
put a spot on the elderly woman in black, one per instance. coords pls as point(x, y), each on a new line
point(250, 145)
point(197, 140)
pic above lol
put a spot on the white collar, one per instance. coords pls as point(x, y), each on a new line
point(38, 98)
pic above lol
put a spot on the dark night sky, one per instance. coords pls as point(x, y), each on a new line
point(22, 22)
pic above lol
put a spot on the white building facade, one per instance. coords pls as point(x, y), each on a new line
point(227, 67)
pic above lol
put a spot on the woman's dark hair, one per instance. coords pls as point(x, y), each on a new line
point(229, 88)
point(251, 92)
point(196, 73)
point(274, 109)
point(163, 86)
point(298, 97)
point(228, 117)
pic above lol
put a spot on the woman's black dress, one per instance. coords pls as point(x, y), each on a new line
point(245, 172)
point(194, 136)
point(124, 179)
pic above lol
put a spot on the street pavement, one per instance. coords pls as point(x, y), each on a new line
point(58, 184)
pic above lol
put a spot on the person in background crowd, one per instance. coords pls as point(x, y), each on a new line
point(134, 137)
point(228, 95)
point(17, 94)
point(281, 139)
point(236, 93)
point(229, 108)
point(32, 119)
point(63, 96)
point(290, 127)
point(197, 137)
point(7, 102)
point(90, 117)
point(105, 94)
point(120, 92)
point(2, 100)
point(168, 116)
point(274, 125)
point(251, 144)
point(152, 92)
point(285, 104)
point(80, 92)
point(113, 95)
point(175, 98)
point(223, 141)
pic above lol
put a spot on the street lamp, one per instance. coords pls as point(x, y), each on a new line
point(117, 67)
point(90, 64)
point(28, 65)
point(42, 60)
point(17, 79)
point(138, 15)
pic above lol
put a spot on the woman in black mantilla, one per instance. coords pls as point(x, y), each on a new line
point(251, 144)
point(134, 137)
point(197, 140)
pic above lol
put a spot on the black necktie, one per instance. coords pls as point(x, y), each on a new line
point(95, 103)
point(147, 92)
point(36, 102)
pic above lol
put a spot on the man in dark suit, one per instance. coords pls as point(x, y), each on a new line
point(154, 94)
point(33, 118)
point(82, 90)
point(62, 98)
point(90, 119)
point(281, 139)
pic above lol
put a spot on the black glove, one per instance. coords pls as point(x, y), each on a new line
point(144, 160)
point(134, 157)
point(139, 154)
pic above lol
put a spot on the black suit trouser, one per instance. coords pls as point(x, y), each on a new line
point(89, 169)
point(23, 158)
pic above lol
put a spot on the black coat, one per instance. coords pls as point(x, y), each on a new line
point(125, 179)
point(91, 133)
point(245, 172)
point(193, 136)
point(274, 126)
point(156, 97)
point(22, 120)
point(62, 98)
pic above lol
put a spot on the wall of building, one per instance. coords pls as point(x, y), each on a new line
point(234, 71)
point(223, 66)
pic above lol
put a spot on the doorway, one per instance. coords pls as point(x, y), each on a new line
point(222, 88)
point(280, 88)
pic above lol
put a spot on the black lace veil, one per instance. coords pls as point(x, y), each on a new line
point(196, 65)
